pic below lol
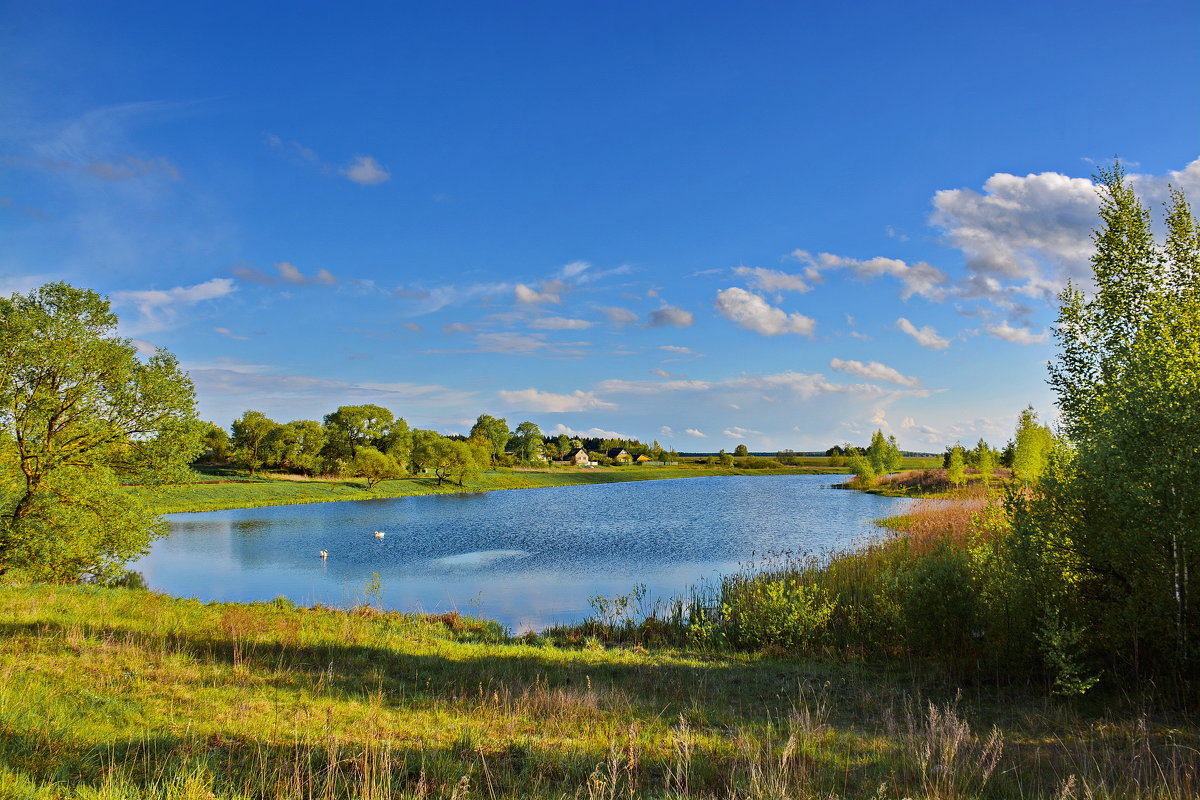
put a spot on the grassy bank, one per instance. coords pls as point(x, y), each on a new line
point(110, 693)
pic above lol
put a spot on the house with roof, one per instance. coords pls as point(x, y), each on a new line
point(619, 455)
point(578, 456)
point(641, 458)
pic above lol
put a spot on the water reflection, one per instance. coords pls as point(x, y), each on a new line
point(528, 558)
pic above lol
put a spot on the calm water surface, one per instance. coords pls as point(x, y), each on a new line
point(528, 558)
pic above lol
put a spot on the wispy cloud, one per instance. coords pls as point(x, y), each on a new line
point(921, 278)
point(527, 296)
point(772, 280)
point(874, 371)
point(618, 316)
point(560, 324)
point(159, 308)
point(926, 336)
point(537, 400)
point(286, 274)
point(697, 433)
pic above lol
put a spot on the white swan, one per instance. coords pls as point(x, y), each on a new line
point(379, 534)
point(324, 554)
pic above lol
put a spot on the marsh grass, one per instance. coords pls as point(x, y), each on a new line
point(108, 694)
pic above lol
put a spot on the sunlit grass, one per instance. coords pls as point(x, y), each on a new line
point(118, 694)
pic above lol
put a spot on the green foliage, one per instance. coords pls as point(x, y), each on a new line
point(765, 611)
point(955, 470)
point(884, 454)
point(1032, 446)
point(941, 605)
point(741, 450)
point(495, 431)
point(863, 470)
point(374, 466)
point(251, 439)
point(80, 412)
point(527, 442)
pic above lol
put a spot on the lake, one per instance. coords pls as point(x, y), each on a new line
point(528, 558)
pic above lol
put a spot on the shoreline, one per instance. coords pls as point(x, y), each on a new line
point(223, 496)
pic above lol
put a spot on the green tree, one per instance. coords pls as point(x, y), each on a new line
point(724, 459)
point(495, 430)
point(423, 448)
point(956, 471)
point(214, 443)
point(80, 412)
point(985, 460)
point(1124, 510)
point(527, 440)
point(251, 439)
point(884, 454)
point(863, 470)
point(374, 466)
point(1031, 452)
point(352, 427)
point(397, 442)
point(741, 450)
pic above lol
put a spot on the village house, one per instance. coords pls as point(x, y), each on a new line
point(619, 455)
point(578, 456)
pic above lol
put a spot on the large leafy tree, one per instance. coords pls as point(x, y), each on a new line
point(1120, 507)
point(253, 435)
point(495, 431)
point(352, 427)
point(527, 441)
point(80, 413)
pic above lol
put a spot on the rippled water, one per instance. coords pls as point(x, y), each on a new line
point(528, 558)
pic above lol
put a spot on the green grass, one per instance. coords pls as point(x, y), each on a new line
point(113, 693)
point(239, 491)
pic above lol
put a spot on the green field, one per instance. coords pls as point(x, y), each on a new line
point(115, 693)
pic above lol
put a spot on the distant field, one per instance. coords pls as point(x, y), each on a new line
point(239, 491)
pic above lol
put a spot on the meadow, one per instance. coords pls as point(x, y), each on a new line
point(109, 694)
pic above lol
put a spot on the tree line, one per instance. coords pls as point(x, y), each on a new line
point(371, 442)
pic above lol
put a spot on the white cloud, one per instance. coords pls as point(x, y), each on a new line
point(457, 327)
point(771, 280)
point(160, 307)
point(366, 171)
point(738, 432)
point(670, 316)
point(289, 274)
point(618, 316)
point(926, 336)
point(529, 296)
point(921, 278)
point(694, 432)
point(230, 334)
point(536, 400)
point(874, 371)
point(666, 430)
point(574, 270)
point(753, 313)
point(560, 324)
point(1016, 335)
point(677, 349)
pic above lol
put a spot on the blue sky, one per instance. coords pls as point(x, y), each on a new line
point(703, 223)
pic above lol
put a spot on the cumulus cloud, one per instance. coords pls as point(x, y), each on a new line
point(874, 371)
point(159, 308)
point(926, 336)
point(1023, 235)
point(670, 316)
point(750, 311)
point(560, 324)
point(921, 278)
point(1016, 335)
point(697, 433)
point(366, 171)
point(528, 296)
point(286, 274)
point(771, 280)
point(537, 400)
